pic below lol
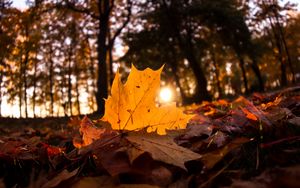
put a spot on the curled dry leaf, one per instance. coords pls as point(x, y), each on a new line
point(251, 111)
point(89, 133)
point(132, 106)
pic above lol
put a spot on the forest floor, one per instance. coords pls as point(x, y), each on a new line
point(247, 142)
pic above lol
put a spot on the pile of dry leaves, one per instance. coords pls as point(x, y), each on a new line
point(244, 143)
point(251, 142)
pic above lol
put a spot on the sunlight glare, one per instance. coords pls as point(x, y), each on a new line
point(166, 95)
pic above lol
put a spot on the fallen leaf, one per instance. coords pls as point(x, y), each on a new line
point(212, 158)
point(276, 114)
point(132, 106)
point(249, 115)
point(64, 175)
point(89, 133)
point(276, 102)
point(198, 130)
point(218, 139)
point(52, 150)
point(234, 122)
point(161, 148)
point(223, 102)
point(108, 153)
point(295, 121)
point(245, 104)
point(13, 149)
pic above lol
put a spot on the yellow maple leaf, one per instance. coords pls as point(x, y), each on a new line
point(132, 106)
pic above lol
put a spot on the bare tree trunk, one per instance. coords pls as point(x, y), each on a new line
point(110, 56)
point(201, 92)
point(24, 64)
point(102, 85)
point(186, 46)
point(112, 39)
point(257, 72)
point(34, 88)
point(77, 98)
point(70, 82)
point(93, 85)
point(20, 85)
point(285, 47)
point(280, 56)
point(51, 82)
point(214, 60)
point(63, 102)
point(173, 65)
point(25, 82)
point(77, 88)
point(104, 10)
point(90, 88)
point(245, 80)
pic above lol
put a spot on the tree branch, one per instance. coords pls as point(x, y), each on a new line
point(86, 11)
point(118, 32)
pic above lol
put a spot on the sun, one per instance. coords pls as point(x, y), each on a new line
point(166, 95)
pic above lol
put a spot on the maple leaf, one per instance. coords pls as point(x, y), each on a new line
point(132, 106)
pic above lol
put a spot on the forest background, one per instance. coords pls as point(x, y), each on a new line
point(58, 58)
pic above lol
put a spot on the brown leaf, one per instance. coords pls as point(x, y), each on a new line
point(161, 148)
point(108, 153)
point(245, 104)
point(236, 121)
point(199, 126)
point(195, 130)
point(218, 139)
point(212, 158)
point(64, 175)
point(89, 133)
point(276, 114)
point(295, 121)
point(12, 149)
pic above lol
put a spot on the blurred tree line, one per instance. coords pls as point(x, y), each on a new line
point(59, 57)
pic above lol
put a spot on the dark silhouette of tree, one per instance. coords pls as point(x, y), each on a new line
point(175, 29)
point(6, 41)
point(100, 11)
point(227, 17)
point(270, 11)
point(58, 59)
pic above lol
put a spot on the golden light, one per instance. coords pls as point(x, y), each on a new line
point(165, 95)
